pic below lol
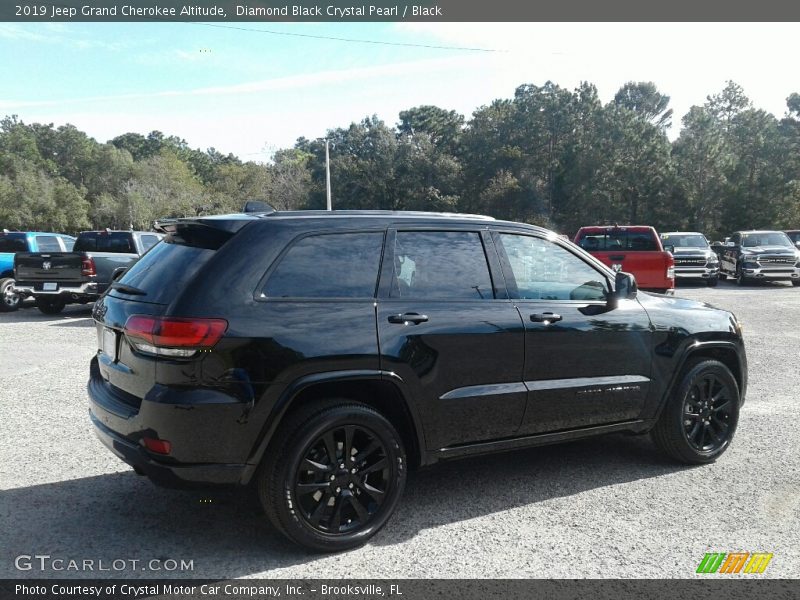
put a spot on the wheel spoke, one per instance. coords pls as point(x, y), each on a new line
point(721, 422)
point(330, 447)
point(348, 443)
point(714, 434)
point(311, 465)
point(310, 488)
point(320, 509)
point(336, 517)
point(722, 406)
point(695, 430)
point(377, 466)
point(364, 454)
point(373, 492)
point(359, 508)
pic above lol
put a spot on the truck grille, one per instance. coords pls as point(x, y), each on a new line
point(690, 262)
point(776, 260)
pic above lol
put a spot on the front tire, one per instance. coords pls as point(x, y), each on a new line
point(700, 418)
point(741, 280)
point(333, 475)
point(713, 281)
point(50, 306)
point(796, 282)
point(9, 300)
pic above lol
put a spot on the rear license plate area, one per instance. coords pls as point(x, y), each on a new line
point(50, 287)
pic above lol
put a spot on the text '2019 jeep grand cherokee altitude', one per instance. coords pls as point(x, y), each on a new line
point(320, 355)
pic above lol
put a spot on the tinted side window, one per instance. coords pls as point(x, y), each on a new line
point(335, 265)
point(16, 243)
point(447, 265)
point(118, 241)
point(543, 270)
point(47, 243)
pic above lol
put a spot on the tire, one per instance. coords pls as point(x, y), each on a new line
point(297, 500)
point(796, 282)
point(9, 301)
point(741, 280)
point(723, 276)
point(682, 432)
point(50, 306)
point(713, 281)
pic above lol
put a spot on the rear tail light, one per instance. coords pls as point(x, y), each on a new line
point(670, 272)
point(87, 266)
point(670, 266)
point(166, 336)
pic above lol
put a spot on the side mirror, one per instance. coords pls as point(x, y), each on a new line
point(625, 287)
point(797, 243)
point(730, 244)
point(117, 273)
point(669, 248)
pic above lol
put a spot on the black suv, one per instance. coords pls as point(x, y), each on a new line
point(319, 355)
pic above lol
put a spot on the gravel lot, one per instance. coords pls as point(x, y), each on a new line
point(609, 507)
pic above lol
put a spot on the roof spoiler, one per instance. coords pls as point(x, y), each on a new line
point(257, 206)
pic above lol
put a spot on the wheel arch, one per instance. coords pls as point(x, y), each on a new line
point(7, 274)
point(723, 351)
point(380, 390)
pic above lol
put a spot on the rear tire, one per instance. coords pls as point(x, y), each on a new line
point(699, 420)
point(349, 442)
point(50, 306)
point(9, 301)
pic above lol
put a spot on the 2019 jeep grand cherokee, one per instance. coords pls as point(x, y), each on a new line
point(320, 355)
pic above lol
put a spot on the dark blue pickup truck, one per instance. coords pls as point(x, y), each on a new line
point(12, 242)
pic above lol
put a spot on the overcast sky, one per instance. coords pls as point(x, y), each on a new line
point(240, 89)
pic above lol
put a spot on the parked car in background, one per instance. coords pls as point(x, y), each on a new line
point(694, 258)
point(12, 242)
point(57, 278)
point(794, 235)
point(760, 256)
point(635, 249)
point(319, 355)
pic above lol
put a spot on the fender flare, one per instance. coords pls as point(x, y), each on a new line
point(294, 389)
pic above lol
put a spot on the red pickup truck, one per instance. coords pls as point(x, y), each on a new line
point(634, 249)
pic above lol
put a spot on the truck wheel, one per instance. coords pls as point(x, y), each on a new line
point(698, 422)
point(796, 282)
point(333, 475)
point(50, 306)
point(723, 276)
point(740, 277)
point(9, 300)
point(713, 281)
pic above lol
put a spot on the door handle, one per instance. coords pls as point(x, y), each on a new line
point(408, 319)
point(617, 257)
point(546, 318)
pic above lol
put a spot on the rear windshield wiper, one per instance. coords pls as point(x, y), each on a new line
point(128, 289)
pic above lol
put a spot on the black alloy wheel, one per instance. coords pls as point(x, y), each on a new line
point(707, 413)
point(333, 476)
point(700, 417)
point(342, 480)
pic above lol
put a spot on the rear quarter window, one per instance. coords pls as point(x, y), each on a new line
point(333, 265)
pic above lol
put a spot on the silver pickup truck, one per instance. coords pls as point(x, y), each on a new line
point(56, 279)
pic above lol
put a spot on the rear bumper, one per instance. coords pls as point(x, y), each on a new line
point(121, 426)
point(90, 289)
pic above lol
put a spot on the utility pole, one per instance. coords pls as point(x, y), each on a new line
point(328, 173)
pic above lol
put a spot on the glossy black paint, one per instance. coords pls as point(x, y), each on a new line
point(475, 376)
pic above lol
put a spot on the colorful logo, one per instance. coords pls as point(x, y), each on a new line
point(734, 562)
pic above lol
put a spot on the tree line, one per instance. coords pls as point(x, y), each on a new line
point(550, 156)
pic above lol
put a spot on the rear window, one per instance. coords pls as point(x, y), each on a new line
point(13, 243)
point(618, 239)
point(116, 241)
point(47, 243)
point(684, 240)
point(164, 271)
